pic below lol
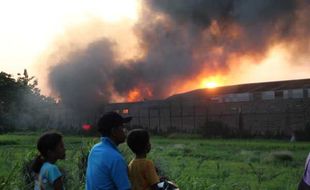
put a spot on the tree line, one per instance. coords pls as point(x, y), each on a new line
point(21, 104)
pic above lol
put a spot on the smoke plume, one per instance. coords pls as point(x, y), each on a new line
point(180, 40)
point(82, 79)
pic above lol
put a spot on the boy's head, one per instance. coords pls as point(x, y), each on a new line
point(138, 141)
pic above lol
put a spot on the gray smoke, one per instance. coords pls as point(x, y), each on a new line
point(179, 39)
point(261, 22)
point(83, 78)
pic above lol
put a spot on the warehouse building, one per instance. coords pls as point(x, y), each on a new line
point(279, 107)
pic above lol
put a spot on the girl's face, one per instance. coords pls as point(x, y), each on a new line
point(60, 151)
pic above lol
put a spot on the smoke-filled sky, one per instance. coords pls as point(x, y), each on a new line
point(151, 49)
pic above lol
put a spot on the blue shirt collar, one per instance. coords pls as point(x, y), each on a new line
point(107, 141)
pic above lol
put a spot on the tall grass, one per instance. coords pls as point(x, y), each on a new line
point(193, 164)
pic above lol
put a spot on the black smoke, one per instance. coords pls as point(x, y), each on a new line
point(83, 78)
point(179, 38)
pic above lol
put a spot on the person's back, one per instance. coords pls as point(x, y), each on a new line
point(142, 174)
point(103, 158)
point(49, 173)
point(106, 167)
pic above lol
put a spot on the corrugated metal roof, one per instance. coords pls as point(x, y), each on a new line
point(251, 87)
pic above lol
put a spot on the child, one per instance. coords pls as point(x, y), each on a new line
point(142, 172)
point(51, 148)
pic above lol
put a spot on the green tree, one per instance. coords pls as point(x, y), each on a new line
point(21, 104)
point(8, 87)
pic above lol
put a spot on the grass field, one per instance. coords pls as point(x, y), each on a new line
point(193, 163)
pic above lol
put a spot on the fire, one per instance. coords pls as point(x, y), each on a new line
point(134, 95)
point(201, 81)
point(210, 82)
point(139, 94)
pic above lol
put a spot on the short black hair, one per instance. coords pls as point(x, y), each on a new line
point(47, 141)
point(111, 120)
point(138, 140)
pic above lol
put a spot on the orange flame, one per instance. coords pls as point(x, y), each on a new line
point(134, 95)
point(139, 94)
point(210, 82)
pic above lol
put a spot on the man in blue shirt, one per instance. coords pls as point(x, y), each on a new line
point(106, 167)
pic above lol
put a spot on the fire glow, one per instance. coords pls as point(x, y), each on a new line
point(210, 84)
point(134, 95)
point(178, 51)
point(139, 94)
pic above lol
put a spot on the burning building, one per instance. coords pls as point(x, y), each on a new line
point(183, 45)
point(260, 108)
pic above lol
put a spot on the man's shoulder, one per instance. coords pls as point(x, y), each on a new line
point(101, 148)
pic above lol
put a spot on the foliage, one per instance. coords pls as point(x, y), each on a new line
point(21, 105)
point(27, 174)
point(193, 164)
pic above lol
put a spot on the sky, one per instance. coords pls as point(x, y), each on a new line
point(158, 48)
point(29, 28)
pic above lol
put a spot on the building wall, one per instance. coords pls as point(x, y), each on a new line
point(260, 113)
